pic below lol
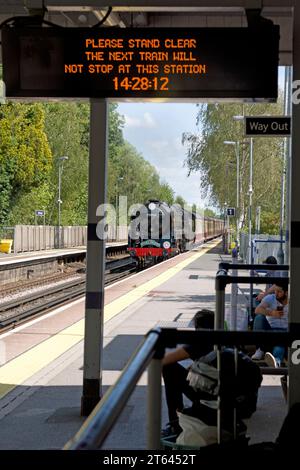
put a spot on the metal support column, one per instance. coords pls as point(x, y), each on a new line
point(288, 153)
point(294, 310)
point(228, 233)
point(250, 197)
point(237, 210)
point(224, 230)
point(234, 296)
point(59, 203)
point(280, 253)
point(257, 220)
point(251, 259)
point(94, 306)
point(154, 404)
point(220, 301)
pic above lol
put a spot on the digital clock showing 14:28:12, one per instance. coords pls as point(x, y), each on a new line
point(141, 83)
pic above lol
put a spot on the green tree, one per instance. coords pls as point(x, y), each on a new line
point(67, 128)
point(23, 210)
point(25, 156)
point(269, 222)
point(179, 200)
point(165, 193)
point(209, 213)
point(115, 124)
point(68, 131)
point(34, 137)
point(216, 162)
point(132, 176)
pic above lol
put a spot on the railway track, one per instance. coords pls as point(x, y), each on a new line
point(19, 310)
point(68, 271)
point(24, 308)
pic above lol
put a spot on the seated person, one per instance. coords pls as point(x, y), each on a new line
point(178, 381)
point(270, 288)
point(272, 314)
point(175, 375)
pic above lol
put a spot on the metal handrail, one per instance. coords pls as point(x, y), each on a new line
point(97, 426)
point(170, 337)
point(222, 278)
point(266, 240)
point(254, 267)
point(95, 429)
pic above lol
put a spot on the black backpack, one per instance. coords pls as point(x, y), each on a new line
point(237, 391)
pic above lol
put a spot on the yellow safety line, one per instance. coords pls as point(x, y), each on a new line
point(18, 370)
point(116, 306)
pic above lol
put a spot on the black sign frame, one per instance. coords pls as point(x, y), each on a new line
point(231, 211)
point(282, 126)
point(33, 57)
point(39, 213)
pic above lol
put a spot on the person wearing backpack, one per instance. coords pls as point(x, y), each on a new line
point(200, 385)
point(175, 375)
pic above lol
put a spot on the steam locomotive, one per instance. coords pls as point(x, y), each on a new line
point(158, 231)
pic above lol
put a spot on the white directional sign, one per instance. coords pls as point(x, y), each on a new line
point(40, 213)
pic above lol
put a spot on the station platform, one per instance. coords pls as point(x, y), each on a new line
point(41, 373)
point(11, 258)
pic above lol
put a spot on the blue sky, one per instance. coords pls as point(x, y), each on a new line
point(155, 129)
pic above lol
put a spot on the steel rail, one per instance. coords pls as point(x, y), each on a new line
point(63, 293)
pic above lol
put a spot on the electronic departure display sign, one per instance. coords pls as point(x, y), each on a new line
point(236, 63)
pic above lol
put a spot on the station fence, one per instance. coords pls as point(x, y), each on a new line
point(237, 315)
point(46, 237)
point(261, 250)
point(236, 308)
point(239, 296)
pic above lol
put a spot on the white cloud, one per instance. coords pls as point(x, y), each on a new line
point(177, 144)
point(149, 121)
point(158, 145)
point(170, 144)
point(146, 121)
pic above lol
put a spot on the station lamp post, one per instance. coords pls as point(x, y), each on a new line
point(225, 228)
point(61, 161)
point(250, 190)
point(250, 194)
point(250, 199)
point(236, 145)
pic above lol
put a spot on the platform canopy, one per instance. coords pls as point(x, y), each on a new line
point(160, 13)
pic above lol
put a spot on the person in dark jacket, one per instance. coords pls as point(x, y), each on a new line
point(238, 392)
point(175, 375)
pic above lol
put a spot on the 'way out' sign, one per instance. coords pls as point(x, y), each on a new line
point(268, 126)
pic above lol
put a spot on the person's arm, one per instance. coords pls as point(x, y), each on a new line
point(175, 356)
point(271, 290)
point(265, 309)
